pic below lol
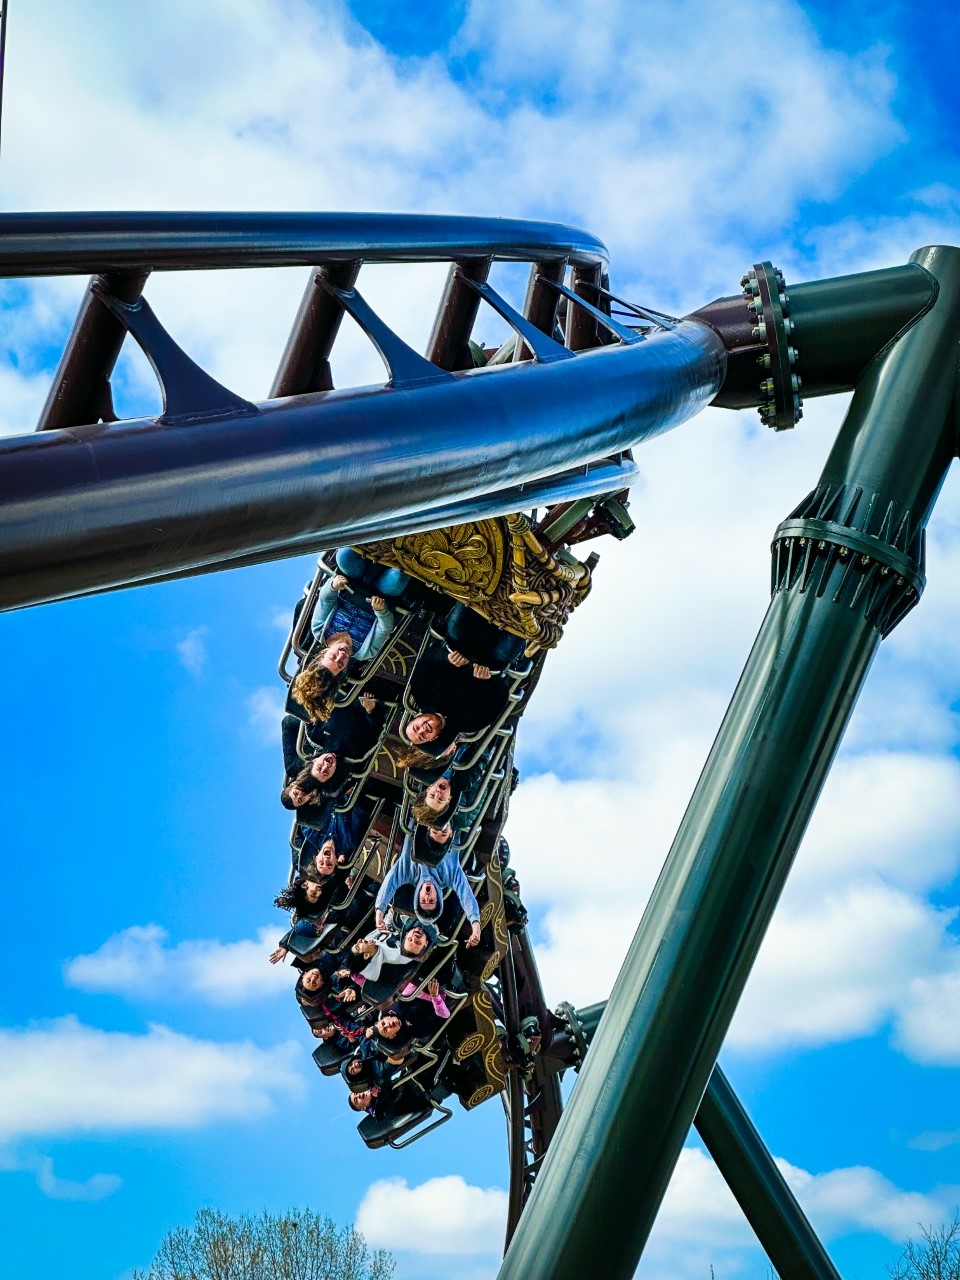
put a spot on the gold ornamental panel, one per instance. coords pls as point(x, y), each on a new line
point(497, 567)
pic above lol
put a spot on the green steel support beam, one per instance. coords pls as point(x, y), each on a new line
point(751, 1173)
point(759, 1187)
point(847, 566)
point(839, 326)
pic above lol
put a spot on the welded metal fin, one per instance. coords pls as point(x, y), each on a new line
point(407, 367)
point(189, 393)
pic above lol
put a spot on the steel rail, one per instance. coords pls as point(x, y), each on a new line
point(56, 244)
point(98, 507)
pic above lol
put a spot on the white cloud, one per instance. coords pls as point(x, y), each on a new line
point(929, 1028)
point(441, 1215)
point(700, 1222)
point(97, 1187)
point(137, 962)
point(264, 713)
point(861, 1199)
point(64, 1078)
point(193, 651)
point(847, 966)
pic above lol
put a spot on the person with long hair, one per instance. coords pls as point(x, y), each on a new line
point(312, 691)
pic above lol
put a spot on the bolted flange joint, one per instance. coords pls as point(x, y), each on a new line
point(765, 294)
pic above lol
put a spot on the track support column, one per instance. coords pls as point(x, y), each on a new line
point(847, 567)
point(761, 1190)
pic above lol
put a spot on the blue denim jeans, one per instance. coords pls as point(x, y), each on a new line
point(377, 579)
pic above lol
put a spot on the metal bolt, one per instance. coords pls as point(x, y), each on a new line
point(759, 332)
point(844, 552)
point(821, 546)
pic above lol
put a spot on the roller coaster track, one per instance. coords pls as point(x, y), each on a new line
point(217, 481)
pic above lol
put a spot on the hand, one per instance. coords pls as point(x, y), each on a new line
point(368, 702)
point(456, 659)
point(378, 604)
point(278, 955)
point(342, 973)
point(381, 922)
point(395, 1059)
point(481, 673)
point(349, 995)
point(369, 1032)
point(474, 934)
point(433, 987)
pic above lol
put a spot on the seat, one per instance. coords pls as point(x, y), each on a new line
point(401, 1130)
point(328, 1056)
point(303, 945)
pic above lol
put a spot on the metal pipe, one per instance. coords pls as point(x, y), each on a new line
point(618, 1142)
point(541, 302)
point(447, 347)
point(516, 1129)
point(581, 325)
point(839, 326)
point(761, 1190)
point(56, 244)
point(305, 363)
point(99, 507)
point(80, 392)
point(606, 476)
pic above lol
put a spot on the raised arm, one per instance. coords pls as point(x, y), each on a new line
point(327, 599)
point(401, 872)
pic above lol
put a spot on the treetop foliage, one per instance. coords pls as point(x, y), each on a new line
point(935, 1256)
point(298, 1245)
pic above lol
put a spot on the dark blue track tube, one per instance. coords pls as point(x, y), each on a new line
point(94, 508)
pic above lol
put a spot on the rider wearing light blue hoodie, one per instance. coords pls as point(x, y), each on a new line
point(429, 884)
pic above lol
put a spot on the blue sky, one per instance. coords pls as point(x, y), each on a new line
point(152, 1062)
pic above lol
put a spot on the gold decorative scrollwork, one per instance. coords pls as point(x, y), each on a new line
point(464, 560)
point(469, 1045)
point(482, 1094)
point(497, 567)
